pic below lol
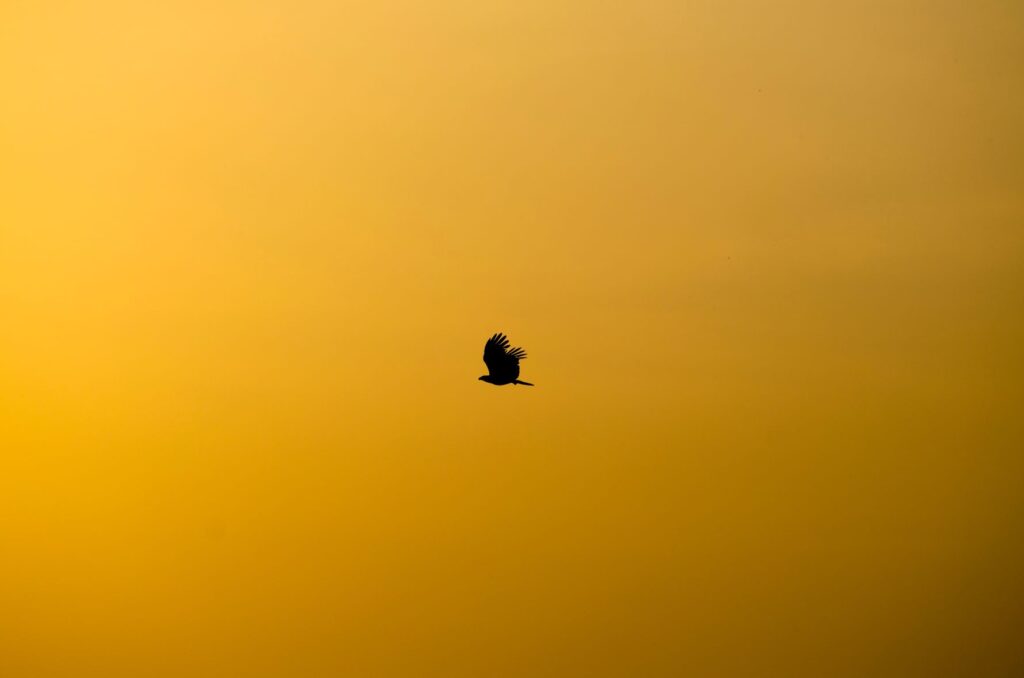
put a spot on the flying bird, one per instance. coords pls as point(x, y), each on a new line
point(502, 362)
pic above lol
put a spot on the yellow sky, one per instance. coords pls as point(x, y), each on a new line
point(766, 259)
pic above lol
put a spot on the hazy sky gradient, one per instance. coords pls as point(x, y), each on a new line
point(767, 259)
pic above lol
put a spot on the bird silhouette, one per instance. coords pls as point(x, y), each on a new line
point(502, 362)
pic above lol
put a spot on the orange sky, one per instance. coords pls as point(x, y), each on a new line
point(766, 259)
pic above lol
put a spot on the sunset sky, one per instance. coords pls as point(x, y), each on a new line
point(767, 259)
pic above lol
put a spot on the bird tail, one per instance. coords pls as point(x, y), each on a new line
point(524, 383)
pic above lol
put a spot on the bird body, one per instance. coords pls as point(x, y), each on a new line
point(502, 362)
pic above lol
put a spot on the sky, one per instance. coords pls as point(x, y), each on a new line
point(767, 259)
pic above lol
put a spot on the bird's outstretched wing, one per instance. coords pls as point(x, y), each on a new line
point(500, 358)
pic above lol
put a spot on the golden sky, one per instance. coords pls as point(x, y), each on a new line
point(767, 259)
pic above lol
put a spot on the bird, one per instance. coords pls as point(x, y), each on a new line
point(502, 362)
